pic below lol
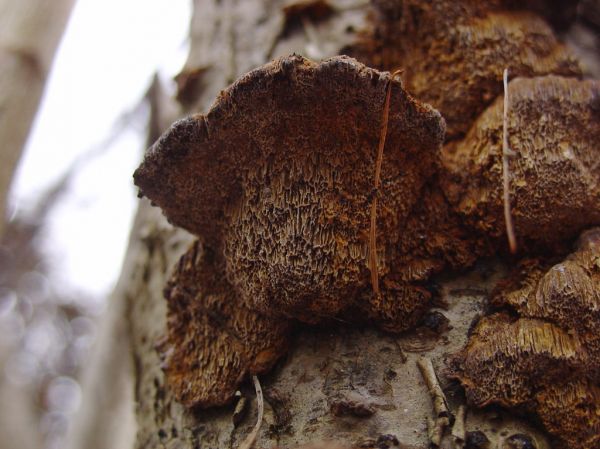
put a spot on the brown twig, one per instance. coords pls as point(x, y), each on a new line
point(373, 264)
point(249, 441)
point(510, 229)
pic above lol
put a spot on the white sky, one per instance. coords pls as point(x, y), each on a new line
point(108, 55)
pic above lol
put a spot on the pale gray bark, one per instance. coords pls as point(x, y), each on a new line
point(30, 31)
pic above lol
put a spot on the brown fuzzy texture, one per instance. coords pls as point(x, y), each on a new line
point(277, 181)
point(454, 52)
point(213, 338)
point(278, 176)
point(554, 130)
point(547, 361)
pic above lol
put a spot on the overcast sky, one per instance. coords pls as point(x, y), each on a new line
point(108, 55)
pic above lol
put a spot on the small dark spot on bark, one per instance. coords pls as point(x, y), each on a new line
point(519, 441)
point(390, 374)
point(477, 440)
point(281, 411)
point(387, 441)
point(436, 321)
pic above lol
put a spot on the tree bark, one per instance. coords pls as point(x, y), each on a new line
point(30, 31)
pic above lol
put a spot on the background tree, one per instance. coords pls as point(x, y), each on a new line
point(29, 35)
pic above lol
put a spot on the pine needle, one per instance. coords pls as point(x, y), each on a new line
point(373, 263)
point(510, 229)
point(249, 441)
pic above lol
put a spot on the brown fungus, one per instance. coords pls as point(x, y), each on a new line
point(567, 294)
point(547, 360)
point(553, 132)
point(213, 338)
point(454, 51)
point(278, 178)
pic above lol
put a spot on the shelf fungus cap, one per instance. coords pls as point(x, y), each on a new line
point(455, 51)
point(279, 176)
point(547, 360)
point(553, 134)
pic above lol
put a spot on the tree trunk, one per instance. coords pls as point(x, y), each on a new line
point(30, 31)
point(341, 383)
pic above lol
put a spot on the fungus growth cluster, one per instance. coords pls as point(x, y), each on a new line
point(546, 359)
point(277, 182)
point(543, 361)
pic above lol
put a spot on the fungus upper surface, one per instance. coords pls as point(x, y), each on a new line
point(553, 133)
point(454, 52)
point(279, 177)
point(547, 360)
point(292, 110)
point(213, 338)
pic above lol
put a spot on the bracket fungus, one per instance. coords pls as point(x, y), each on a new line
point(547, 359)
point(276, 180)
point(553, 132)
point(454, 51)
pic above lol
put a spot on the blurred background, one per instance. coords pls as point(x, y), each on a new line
point(71, 201)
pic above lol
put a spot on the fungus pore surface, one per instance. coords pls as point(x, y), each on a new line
point(277, 181)
point(554, 167)
point(213, 338)
point(547, 359)
point(454, 52)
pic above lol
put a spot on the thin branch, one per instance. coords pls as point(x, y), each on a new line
point(438, 425)
point(458, 429)
point(373, 263)
point(510, 229)
point(249, 441)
